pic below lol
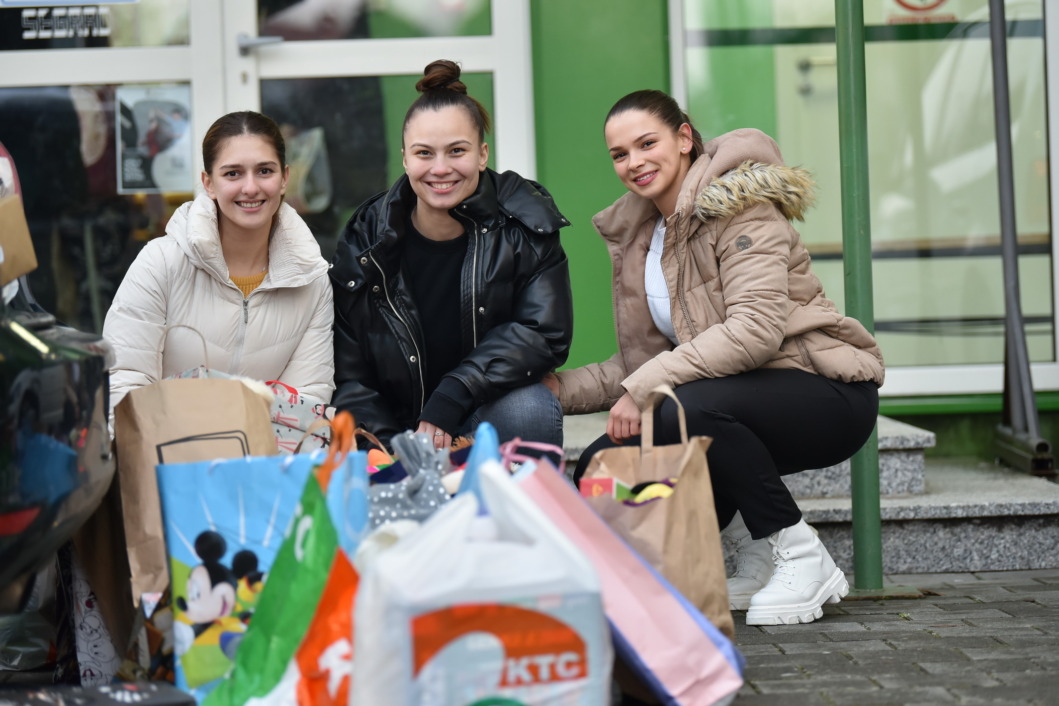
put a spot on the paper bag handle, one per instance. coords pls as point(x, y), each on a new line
point(205, 350)
point(647, 416)
point(313, 428)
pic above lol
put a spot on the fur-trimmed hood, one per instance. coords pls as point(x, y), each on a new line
point(790, 188)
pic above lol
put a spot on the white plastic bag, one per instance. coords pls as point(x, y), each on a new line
point(477, 605)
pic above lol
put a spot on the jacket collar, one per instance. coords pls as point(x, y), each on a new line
point(497, 198)
point(293, 253)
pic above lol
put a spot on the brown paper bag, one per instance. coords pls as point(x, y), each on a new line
point(678, 535)
point(172, 421)
point(18, 255)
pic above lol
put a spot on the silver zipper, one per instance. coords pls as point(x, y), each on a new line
point(411, 335)
point(680, 290)
point(474, 286)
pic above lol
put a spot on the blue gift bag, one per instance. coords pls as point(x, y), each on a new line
point(224, 522)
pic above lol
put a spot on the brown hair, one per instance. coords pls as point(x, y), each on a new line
point(441, 87)
point(245, 122)
point(662, 106)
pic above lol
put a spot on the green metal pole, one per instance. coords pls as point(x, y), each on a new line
point(856, 248)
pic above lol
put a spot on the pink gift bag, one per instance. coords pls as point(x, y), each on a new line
point(669, 645)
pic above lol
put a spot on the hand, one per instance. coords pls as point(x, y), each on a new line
point(437, 434)
point(551, 381)
point(624, 419)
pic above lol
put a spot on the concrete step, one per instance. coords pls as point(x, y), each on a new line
point(901, 457)
point(971, 516)
point(901, 465)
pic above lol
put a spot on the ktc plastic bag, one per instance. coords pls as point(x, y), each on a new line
point(485, 601)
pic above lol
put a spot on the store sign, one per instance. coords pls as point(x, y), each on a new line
point(65, 22)
point(59, 3)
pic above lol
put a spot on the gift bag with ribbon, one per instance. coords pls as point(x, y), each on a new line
point(225, 521)
point(298, 649)
point(668, 651)
point(297, 419)
point(670, 520)
point(487, 602)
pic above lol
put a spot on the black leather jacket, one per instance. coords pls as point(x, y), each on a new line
point(517, 314)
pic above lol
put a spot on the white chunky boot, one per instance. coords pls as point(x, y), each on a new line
point(805, 577)
point(753, 564)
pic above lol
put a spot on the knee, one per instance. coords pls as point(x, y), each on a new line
point(531, 412)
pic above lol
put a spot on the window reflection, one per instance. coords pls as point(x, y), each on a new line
point(351, 19)
point(932, 156)
point(84, 232)
point(146, 23)
point(344, 140)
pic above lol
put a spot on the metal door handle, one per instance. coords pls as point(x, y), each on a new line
point(246, 42)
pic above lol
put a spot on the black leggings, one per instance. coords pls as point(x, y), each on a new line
point(765, 424)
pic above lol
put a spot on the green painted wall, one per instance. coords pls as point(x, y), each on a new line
point(587, 55)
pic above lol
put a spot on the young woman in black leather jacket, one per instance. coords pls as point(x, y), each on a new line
point(452, 292)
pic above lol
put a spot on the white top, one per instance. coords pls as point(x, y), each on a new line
point(654, 282)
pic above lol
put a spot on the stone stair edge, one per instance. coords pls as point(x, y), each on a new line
point(955, 489)
point(580, 430)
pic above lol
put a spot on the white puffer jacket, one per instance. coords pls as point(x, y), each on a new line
point(282, 331)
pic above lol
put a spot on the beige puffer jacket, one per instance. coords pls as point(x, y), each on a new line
point(282, 331)
point(742, 292)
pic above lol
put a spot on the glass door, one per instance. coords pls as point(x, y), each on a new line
point(339, 75)
point(939, 291)
point(104, 107)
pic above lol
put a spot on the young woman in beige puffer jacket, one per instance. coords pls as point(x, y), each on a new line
point(714, 295)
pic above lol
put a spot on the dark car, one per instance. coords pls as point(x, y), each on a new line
point(55, 458)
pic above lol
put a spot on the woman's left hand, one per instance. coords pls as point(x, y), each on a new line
point(437, 434)
point(624, 419)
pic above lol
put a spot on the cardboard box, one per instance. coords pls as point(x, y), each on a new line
point(16, 246)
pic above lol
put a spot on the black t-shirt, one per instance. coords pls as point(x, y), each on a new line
point(432, 270)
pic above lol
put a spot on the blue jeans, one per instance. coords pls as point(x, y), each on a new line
point(531, 413)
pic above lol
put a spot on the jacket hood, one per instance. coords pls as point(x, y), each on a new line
point(294, 255)
point(790, 188)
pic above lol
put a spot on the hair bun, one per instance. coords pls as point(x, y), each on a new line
point(441, 75)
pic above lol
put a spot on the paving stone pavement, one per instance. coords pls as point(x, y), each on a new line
point(973, 638)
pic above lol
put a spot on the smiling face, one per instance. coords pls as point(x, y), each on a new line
point(206, 602)
point(650, 158)
point(443, 158)
point(247, 182)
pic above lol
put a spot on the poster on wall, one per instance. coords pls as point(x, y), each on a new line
point(154, 138)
